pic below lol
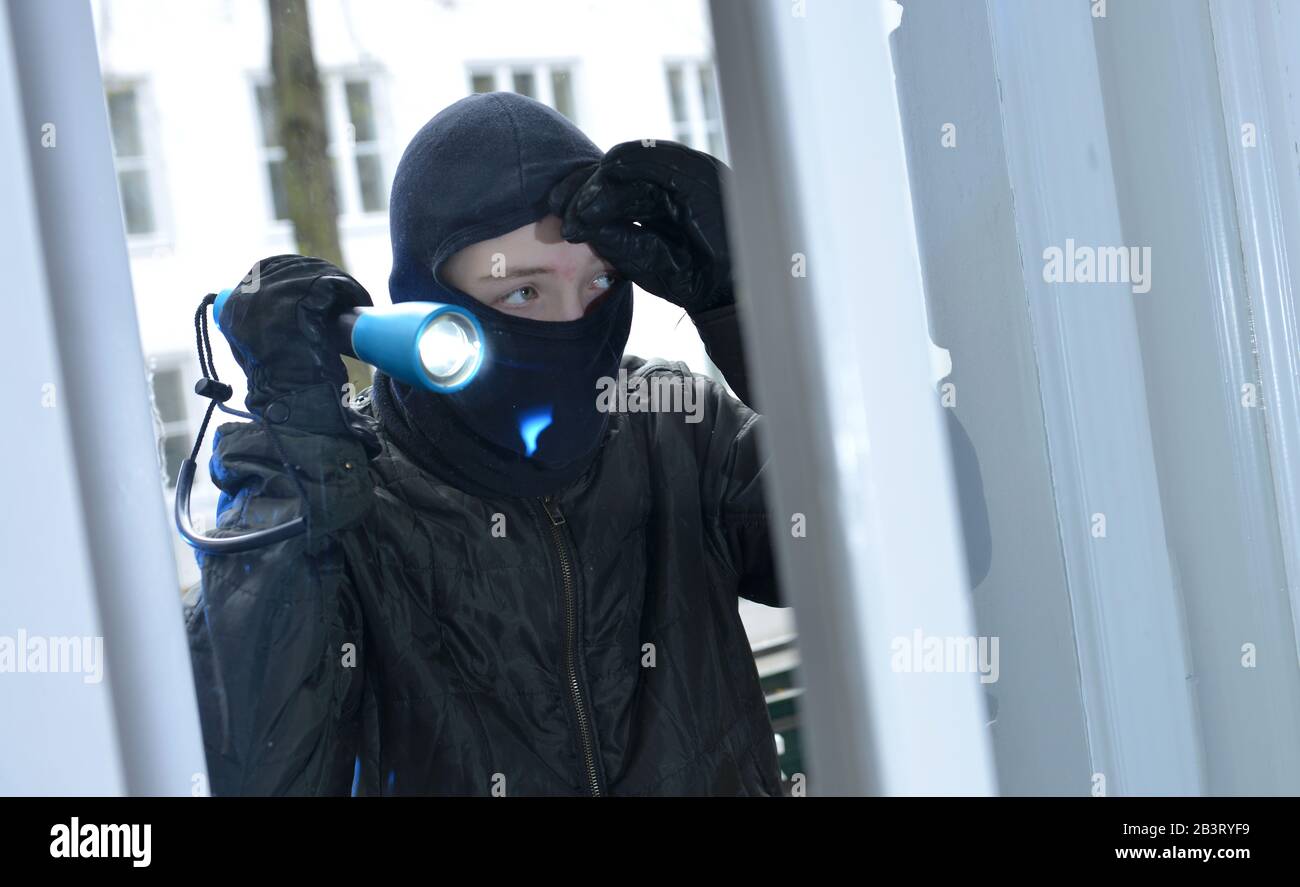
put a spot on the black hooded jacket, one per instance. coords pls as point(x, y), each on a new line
point(442, 642)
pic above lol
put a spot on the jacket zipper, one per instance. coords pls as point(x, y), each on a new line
point(570, 644)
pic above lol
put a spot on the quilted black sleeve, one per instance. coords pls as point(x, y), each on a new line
point(276, 633)
point(732, 467)
point(732, 461)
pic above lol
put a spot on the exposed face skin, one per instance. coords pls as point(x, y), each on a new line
point(532, 272)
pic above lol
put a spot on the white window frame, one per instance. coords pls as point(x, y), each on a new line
point(876, 567)
point(150, 163)
point(1258, 86)
point(697, 120)
point(502, 72)
point(166, 362)
point(340, 145)
point(1131, 647)
point(118, 526)
point(266, 155)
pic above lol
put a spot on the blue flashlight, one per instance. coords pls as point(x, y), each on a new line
point(428, 344)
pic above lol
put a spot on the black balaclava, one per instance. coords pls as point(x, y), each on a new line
point(528, 424)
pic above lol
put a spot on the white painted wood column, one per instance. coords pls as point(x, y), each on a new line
point(841, 361)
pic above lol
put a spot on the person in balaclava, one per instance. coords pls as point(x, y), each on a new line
point(511, 589)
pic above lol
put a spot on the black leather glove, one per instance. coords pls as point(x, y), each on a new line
point(678, 251)
point(280, 324)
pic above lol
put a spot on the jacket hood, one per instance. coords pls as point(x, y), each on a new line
point(529, 423)
point(480, 168)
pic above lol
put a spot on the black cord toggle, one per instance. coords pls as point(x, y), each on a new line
point(214, 390)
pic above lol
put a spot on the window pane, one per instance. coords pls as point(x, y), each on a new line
point(133, 186)
point(169, 395)
point(360, 110)
point(124, 120)
point(266, 113)
point(483, 82)
point(524, 84)
point(716, 147)
point(708, 89)
point(176, 449)
point(712, 112)
point(676, 92)
point(279, 199)
point(562, 89)
point(370, 178)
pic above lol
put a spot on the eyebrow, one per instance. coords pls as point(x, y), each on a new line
point(518, 272)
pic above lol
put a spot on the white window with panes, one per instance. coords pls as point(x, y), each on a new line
point(693, 100)
point(167, 381)
point(551, 83)
point(358, 143)
point(135, 157)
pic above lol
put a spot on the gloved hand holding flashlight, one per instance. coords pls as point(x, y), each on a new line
point(289, 324)
point(289, 331)
point(281, 327)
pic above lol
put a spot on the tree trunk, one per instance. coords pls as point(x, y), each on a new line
point(311, 201)
point(300, 116)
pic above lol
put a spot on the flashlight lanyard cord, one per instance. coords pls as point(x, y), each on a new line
point(205, 366)
point(206, 362)
point(218, 393)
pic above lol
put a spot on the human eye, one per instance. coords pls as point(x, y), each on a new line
point(604, 280)
point(517, 298)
